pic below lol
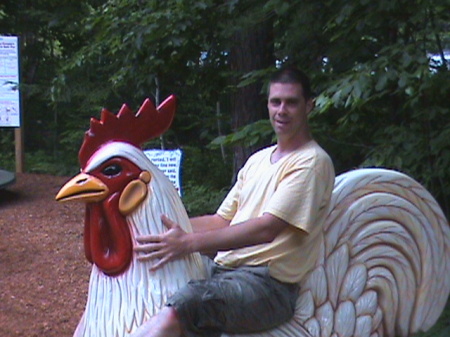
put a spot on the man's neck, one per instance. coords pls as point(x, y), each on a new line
point(285, 147)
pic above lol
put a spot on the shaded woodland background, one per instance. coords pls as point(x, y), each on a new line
point(380, 70)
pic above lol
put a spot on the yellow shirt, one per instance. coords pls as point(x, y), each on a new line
point(297, 189)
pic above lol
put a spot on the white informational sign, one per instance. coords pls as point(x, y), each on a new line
point(9, 82)
point(168, 161)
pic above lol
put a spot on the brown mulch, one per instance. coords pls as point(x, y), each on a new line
point(43, 272)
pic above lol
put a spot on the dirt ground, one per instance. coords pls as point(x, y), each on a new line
point(43, 271)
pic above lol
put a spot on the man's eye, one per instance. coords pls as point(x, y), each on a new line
point(275, 102)
point(293, 102)
point(112, 170)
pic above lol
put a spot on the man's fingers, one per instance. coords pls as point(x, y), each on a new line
point(160, 263)
point(168, 222)
point(160, 249)
point(148, 238)
point(146, 255)
point(149, 247)
point(159, 258)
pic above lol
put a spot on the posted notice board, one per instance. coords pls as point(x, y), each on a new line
point(168, 161)
point(9, 82)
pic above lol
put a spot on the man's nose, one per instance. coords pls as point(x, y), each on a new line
point(282, 108)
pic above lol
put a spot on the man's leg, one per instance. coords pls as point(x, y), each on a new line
point(233, 301)
point(246, 300)
point(163, 324)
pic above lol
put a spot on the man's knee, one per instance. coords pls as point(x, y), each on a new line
point(167, 322)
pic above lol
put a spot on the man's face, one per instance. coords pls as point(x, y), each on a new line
point(288, 109)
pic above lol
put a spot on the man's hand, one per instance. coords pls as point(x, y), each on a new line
point(165, 247)
point(176, 243)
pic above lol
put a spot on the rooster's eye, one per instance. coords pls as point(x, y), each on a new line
point(112, 170)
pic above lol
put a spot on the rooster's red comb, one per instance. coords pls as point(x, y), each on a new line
point(127, 127)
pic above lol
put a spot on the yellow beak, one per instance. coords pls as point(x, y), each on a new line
point(83, 187)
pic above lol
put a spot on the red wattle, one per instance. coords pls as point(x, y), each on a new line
point(107, 237)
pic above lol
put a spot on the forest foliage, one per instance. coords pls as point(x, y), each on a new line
point(380, 70)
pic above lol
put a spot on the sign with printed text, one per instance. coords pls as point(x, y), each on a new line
point(9, 82)
point(169, 162)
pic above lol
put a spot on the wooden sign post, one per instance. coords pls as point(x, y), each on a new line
point(20, 158)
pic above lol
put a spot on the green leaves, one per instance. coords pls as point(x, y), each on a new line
point(251, 134)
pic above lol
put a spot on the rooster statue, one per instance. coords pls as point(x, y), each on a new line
point(384, 268)
point(125, 195)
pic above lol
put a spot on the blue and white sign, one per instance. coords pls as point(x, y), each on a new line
point(169, 162)
point(9, 82)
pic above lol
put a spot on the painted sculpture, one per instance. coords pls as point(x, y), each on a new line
point(384, 268)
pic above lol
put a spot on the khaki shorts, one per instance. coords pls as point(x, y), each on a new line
point(241, 300)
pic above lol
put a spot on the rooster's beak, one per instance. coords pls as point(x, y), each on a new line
point(83, 187)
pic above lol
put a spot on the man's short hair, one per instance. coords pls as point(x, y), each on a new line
point(293, 75)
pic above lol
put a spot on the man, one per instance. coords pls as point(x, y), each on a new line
point(267, 231)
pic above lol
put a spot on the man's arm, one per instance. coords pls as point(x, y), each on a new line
point(208, 222)
point(176, 243)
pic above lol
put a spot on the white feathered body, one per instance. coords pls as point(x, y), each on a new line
point(383, 271)
point(117, 305)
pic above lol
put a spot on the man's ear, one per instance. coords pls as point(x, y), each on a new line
point(310, 105)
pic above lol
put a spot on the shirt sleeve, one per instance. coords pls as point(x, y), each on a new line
point(301, 196)
point(229, 205)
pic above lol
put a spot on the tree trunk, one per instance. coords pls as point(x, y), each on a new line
point(252, 49)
